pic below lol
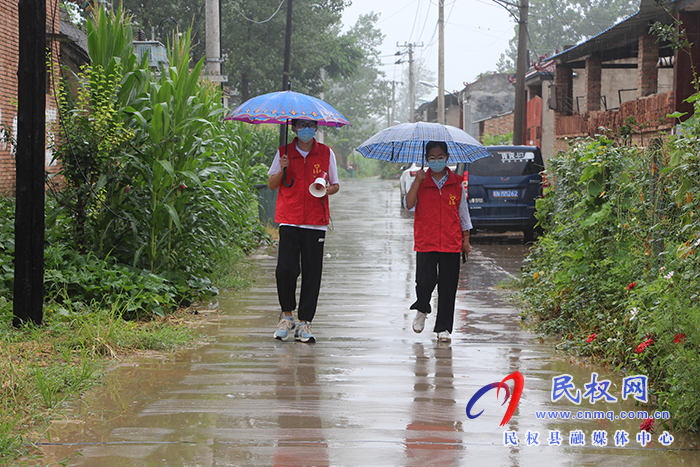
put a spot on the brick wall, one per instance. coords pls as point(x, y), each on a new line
point(9, 25)
point(501, 125)
point(650, 111)
point(9, 61)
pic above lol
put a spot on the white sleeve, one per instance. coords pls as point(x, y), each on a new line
point(332, 169)
point(275, 167)
point(464, 219)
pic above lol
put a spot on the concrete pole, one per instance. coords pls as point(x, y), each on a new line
point(393, 102)
point(519, 111)
point(213, 49)
point(441, 63)
point(411, 86)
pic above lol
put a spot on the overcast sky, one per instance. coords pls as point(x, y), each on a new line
point(476, 33)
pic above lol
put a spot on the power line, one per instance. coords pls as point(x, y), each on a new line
point(259, 22)
point(415, 19)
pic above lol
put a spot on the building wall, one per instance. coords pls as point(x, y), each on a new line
point(491, 95)
point(9, 62)
point(613, 80)
point(500, 125)
point(453, 115)
point(547, 120)
point(9, 27)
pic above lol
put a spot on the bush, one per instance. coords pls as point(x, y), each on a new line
point(618, 262)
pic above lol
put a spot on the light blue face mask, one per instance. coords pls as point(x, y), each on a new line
point(437, 166)
point(306, 134)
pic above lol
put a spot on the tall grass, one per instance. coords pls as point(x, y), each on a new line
point(43, 369)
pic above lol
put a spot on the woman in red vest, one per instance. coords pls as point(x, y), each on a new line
point(303, 219)
point(441, 232)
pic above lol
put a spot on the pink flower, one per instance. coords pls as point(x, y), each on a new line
point(644, 345)
point(679, 338)
point(647, 425)
point(182, 187)
point(631, 285)
point(128, 189)
point(591, 337)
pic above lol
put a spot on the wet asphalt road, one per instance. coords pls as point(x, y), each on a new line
point(370, 391)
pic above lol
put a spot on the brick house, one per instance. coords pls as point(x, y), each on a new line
point(621, 73)
point(9, 61)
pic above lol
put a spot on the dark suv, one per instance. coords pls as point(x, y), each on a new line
point(502, 189)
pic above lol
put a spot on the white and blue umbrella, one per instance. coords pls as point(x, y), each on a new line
point(405, 143)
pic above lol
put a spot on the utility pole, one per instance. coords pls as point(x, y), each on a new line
point(441, 63)
point(411, 81)
point(521, 68)
point(411, 87)
point(28, 303)
point(212, 67)
point(287, 63)
point(393, 101)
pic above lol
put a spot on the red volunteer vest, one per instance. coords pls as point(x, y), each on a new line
point(295, 204)
point(436, 225)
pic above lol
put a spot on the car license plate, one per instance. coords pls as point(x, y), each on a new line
point(505, 193)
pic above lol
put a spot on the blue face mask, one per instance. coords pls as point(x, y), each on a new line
point(437, 166)
point(306, 134)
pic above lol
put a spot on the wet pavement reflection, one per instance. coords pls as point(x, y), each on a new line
point(370, 391)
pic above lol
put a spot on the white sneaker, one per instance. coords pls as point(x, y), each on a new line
point(444, 336)
point(419, 322)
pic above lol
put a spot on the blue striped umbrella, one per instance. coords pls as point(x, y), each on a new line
point(406, 142)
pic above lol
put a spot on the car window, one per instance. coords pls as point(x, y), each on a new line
point(506, 163)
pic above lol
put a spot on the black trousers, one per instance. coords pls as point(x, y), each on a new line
point(441, 269)
point(300, 251)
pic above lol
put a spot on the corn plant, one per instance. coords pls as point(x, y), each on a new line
point(170, 185)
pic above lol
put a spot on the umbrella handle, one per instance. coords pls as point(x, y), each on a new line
point(284, 179)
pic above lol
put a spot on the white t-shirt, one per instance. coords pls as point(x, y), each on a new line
point(332, 178)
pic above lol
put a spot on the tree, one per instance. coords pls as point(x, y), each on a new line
point(553, 25)
point(362, 97)
point(252, 40)
point(253, 45)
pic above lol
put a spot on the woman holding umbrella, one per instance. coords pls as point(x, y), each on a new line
point(441, 232)
point(303, 217)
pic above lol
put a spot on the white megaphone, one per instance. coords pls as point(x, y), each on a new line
point(319, 186)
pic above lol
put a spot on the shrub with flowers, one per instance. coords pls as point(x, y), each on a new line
point(647, 425)
point(619, 262)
